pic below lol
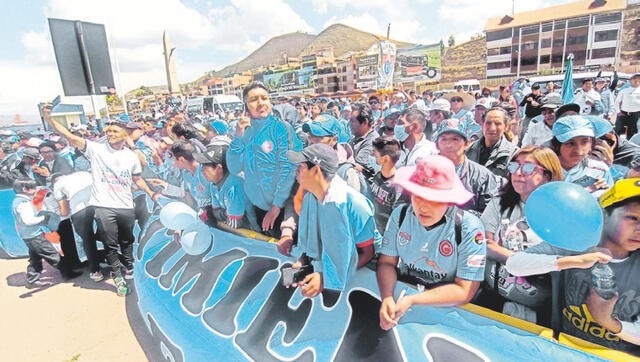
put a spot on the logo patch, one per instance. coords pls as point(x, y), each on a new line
point(479, 238)
point(476, 260)
point(445, 248)
point(403, 238)
point(267, 146)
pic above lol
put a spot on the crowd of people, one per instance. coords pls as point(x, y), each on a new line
point(430, 191)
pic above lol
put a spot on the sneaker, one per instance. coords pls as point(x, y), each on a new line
point(96, 277)
point(128, 274)
point(121, 285)
point(38, 284)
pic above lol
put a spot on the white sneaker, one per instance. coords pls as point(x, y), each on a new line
point(96, 277)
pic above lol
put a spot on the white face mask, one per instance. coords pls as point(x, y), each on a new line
point(400, 131)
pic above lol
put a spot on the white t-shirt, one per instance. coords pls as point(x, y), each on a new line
point(76, 188)
point(112, 172)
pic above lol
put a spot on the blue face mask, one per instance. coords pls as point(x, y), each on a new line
point(400, 133)
point(373, 164)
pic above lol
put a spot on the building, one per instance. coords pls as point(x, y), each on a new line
point(234, 84)
point(539, 41)
point(215, 86)
point(327, 79)
point(345, 72)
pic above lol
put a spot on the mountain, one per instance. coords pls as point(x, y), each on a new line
point(342, 38)
point(272, 50)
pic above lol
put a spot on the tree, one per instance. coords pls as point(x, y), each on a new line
point(452, 40)
point(143, 91)
point(113, 101)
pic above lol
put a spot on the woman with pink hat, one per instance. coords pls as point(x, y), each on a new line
point(432, 242)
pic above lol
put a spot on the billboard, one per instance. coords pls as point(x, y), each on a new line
point(289, 79)
point(366, 71)
point(420, 63)
point(82, 55)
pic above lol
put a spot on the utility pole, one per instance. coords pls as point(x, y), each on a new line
point(388, 30)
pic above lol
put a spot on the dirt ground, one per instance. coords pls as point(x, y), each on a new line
point(76, 320)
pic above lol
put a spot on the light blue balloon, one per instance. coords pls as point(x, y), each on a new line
point(565, 215)
point(196, 238)
point(177, 215)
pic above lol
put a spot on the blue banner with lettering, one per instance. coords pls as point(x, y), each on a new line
point(10, 242)
point(229, 303)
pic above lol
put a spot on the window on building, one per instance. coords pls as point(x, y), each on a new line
point(547, 27)
point(344, 69)
point(529, 46)
point(505, 50)
point(498, 65)
point(528, 61)
point(574, 23)
point(556, 58)
point(558, 42)
point(607, 18)
point(493, 51)
point(603, 53)
point(577, 39)
point(606, 35)
point(545, 43)
point(344, 78)
point(499, 34)
point(559, 24)
point(530, 30)
point(580, 55)
point(320, 80)
point(545, 59)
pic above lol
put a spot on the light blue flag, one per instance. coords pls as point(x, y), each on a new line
point(567, 84)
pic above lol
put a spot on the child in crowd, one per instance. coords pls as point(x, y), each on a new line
point(30, 228)
point(386, 195)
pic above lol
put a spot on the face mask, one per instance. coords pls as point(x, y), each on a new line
point(373, 164)
point(400, 132)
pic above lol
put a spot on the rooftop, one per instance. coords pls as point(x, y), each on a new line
point(569, 10)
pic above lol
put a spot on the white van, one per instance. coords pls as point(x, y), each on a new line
point(214, 104)
point(468, 85)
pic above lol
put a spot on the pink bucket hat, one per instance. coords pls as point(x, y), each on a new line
point(433, 178)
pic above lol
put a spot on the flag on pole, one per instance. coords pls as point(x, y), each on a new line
point(567, 84)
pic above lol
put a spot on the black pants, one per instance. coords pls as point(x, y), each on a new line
point(628, 120)
point(40, 249)
point(141, 210)
point(83, 224)
point(275, 232)
point(115, 228)
point(68, 244)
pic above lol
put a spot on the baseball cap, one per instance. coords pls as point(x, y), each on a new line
point(220, 127)
point(323, 126)
point(318, 154)
point(440, 104)
point(433, 178)
point(621, 190)
point(485, 103)
point(567, 107)
point(635, 75)
point(30, 152)
point(452, 125)
point(569, 127)
point(214, 154)
point(551, 102)
point(134, 125)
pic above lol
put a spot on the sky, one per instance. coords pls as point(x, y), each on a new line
point(209, 34)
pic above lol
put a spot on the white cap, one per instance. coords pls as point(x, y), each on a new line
point(440, 104)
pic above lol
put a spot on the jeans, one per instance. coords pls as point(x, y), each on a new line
point(115, 228)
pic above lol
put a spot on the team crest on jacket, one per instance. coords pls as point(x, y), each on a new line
point(267, 146)
point(445, 248)
point(403, 238)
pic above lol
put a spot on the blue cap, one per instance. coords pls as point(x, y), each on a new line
point(454, 125)
point(220, 127)
point(569, 127)
point(160, 124)
point(124, 118)
point(325, 125)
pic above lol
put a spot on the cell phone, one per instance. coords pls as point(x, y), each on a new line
point(585, 181)
point(295, 275)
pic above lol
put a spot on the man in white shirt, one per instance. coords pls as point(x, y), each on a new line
point(72, 192)
point(628, 107)
point(114, 170)
point(411, 130)
point(540, 132)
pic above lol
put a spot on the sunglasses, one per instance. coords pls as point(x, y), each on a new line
point(374, 102)
point(526, 168)
point(457, 100)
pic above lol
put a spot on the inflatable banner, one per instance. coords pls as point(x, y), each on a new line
point(10, 242)
point(228, 303)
